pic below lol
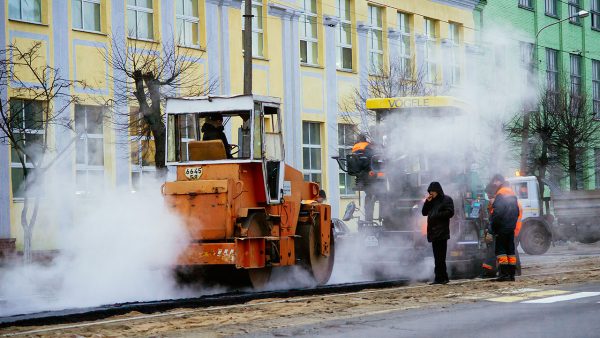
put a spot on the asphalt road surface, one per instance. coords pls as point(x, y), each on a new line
point(531, 313)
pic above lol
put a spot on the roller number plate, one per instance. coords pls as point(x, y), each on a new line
point(371, 241)
point(193, 173)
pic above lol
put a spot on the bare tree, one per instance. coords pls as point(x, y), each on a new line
point(540, 126)
point(148, 72)
point(40, 101)
point(576, 128)
point(397, 79)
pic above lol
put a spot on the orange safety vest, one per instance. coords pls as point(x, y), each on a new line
point(509, 192)
point(360, 146)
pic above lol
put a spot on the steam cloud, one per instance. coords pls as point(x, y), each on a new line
point(119, 249)
point(122, 246)
point(495, 87)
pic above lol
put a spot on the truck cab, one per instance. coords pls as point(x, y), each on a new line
point(536, 231)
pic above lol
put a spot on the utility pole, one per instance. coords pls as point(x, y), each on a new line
point(247, 47)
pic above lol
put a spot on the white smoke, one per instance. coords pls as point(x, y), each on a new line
point(494, 89)
point(120, 248)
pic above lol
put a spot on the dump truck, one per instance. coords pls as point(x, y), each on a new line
point(396, 239)
point(557, 215)
point(245, 210)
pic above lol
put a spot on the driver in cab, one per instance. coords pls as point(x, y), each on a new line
point(213, 129)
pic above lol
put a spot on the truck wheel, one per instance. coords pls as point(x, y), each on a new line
point(535, 239)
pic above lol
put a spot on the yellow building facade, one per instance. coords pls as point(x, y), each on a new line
point(312, 54)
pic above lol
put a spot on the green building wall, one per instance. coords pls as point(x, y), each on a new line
point(522, 24)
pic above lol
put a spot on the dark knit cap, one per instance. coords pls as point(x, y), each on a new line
point(435, 186)
point(498, 177)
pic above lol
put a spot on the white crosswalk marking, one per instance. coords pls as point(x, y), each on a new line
point(561, 298)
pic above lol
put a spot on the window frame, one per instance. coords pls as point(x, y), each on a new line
point(526, 4)
point(136, 137)
point(373, 27)
point(527, 51)
point(454, 39)
point(595, 14)
point(194, 20)
point(137, 9)
point(27, 131)
point(82, 17)
point(345, 147)
point(430, 49)
point(20, 18)
point(309, 40)
point(312, 146)
point(553, 6)
point(574, 8)
point(85, 167)
point(576, 74)
point(405, 43)
point(340, 45)
point(596, 88)
point(256, 31)
point(552, 73)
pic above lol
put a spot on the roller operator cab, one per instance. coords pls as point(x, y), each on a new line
point(244, 208)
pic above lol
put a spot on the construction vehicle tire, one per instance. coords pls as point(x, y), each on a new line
point(256, 223)
point(535, 239)
point(318, 266)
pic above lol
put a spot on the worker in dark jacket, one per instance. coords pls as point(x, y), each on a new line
point(364, 151)
point(504, 216)
point(213, 129)
point(438, 208)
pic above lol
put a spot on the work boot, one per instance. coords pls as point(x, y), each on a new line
point(511, 272)
point(503, 275)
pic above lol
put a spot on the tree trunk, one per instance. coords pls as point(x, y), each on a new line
point(572, 158)
point(525, 145)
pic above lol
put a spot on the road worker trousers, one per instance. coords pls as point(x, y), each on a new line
point(505, 254)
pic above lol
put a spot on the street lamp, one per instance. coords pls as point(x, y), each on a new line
point(580, 14)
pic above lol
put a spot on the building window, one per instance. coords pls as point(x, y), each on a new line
point(430, 51)
point(188, 23)
point(552, 69)
point(405, 51)
point(26, 10)
point(344, 36)
point(86, 15)
point(527, 50)
point(551, 8)
point(574, 8)
point(595, 11)
point(140, 19)
point(257, 28)
point(309, 41)
point(26, 121)
point(525, 4)
point(575, 75)
point(346, 139)
point(311, 151)
point(89, 149)
point(596, 87)
point(143, 166)
point(375, 40)
point(454, 39)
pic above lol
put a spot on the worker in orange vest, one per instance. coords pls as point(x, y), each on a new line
point(365, 181)
point(505, 223)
